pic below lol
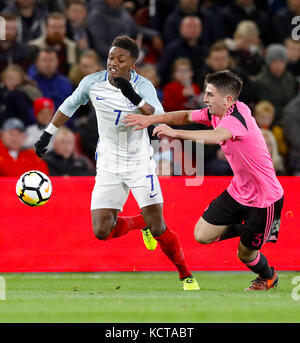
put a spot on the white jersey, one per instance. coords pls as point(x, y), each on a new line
point(119, 149)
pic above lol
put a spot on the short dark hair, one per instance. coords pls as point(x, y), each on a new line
point(47, 50)
point(69, 3)
point(219, 45)
point(128, 44)
point(56, 15)
point(226, 82)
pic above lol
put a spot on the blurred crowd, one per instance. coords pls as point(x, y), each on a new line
point(51, 45)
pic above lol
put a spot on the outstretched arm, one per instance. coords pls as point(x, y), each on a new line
point(67, 108)
point(170, 118)
point(58, 120)
point(215, 136)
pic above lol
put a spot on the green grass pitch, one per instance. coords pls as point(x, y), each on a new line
point(145, 297)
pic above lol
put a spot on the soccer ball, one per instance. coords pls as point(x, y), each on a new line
point(34, 188)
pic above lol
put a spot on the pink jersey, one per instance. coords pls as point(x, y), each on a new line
point(254, 183)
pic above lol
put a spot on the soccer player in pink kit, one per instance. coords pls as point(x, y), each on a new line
point(251, 206)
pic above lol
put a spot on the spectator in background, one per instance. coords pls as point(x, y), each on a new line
point(158, 12)
point(181, 93)
point(17, 95)
point(282, 21)
point(264, 113)
point(43, 109)
point(54, 5)
point(14, 160)
point(215, 162)
point(12, 51)
point(108, 20)
point(89, 63)
point(218, 59)
point(56, 39)
point(2, 4)
point(188, 45)
point(50, 81)
point(31, 16)
point(76, 14)
point(88, 134)
point(185, 8)
point(273, 150)
point(291, 127)
point(149, 71)
point(239, 10)
point(293, 54)
point(61, 161)
point(245, 48)
point(275, 83)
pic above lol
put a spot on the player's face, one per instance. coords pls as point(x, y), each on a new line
point(216, 102)
point(119, 63)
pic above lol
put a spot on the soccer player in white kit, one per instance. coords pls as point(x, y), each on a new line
point(124, 156)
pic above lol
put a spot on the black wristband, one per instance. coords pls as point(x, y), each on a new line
point(127, 90)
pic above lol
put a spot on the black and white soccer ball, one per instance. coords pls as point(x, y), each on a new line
point(34, 188)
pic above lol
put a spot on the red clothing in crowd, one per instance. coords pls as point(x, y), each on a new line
point(174, 100)
point(26, 160)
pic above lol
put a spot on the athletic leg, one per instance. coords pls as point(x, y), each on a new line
point(167, 239)
point(257, 262)
point(221, 220)
point(103, 221)
point(108, 197)
point(146, 190)
point(107, 224)
point(260, 224)
point(206, 233)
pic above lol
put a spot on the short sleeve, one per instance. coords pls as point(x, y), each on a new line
point(79, 97)
point(237, 127)
point(201, 116)
point(149, 94)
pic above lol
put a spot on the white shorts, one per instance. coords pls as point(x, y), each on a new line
point(112, 190)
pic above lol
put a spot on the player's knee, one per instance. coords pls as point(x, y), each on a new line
point(102, 228)
point(200, 235)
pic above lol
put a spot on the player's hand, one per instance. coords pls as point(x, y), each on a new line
point(164, 130)
point(140, 120)
point(127, 90)
point(42, 143)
